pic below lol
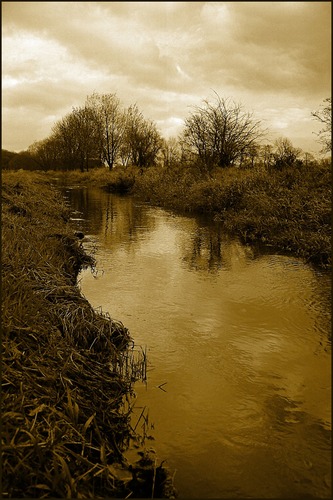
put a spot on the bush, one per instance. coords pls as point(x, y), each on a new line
point(120, 180)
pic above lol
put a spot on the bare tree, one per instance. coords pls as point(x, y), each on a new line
point(171, 151)
point(77, 135)
point(142, 137)
point(64, 133)
point(250, 155)
point(219, 133)
point(267, 155)
point(324, 115)
point(87, 134)
point(101, 130)
point(285, 154)
point(111, 120)
point(46, 153)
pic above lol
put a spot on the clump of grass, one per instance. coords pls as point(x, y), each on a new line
point(66, 368)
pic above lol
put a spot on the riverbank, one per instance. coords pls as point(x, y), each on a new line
point(288, 210)
point(67, 370)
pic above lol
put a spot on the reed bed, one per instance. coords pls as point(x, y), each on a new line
point(67, 369)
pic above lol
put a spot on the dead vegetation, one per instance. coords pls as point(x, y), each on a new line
point(67, 370)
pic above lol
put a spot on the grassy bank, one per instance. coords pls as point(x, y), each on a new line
point(120, 180)
point(288, 209)
point(67, 370)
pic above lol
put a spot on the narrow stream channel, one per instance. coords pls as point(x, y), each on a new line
point(239, 353)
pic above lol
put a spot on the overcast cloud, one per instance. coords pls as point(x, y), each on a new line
point(273, 57)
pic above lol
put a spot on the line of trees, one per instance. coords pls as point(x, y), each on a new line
point(100, 132)
point(216, 134)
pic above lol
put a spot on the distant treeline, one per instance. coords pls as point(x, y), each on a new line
point(216, 134)
point(16, 161)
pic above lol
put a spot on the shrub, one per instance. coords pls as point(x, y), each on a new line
point(119, 180)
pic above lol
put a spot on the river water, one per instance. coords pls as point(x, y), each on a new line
point(238, 397)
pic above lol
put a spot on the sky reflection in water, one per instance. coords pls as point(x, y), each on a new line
point(239, 338)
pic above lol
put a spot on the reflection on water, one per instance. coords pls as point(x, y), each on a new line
point(240, 340)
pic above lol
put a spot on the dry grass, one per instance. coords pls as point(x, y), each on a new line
point(289, 210)
point(67, 370)
point(120, 180)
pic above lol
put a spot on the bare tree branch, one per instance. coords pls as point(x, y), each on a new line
point(219, 133)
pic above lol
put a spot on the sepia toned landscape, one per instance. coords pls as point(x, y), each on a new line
point(166, 250)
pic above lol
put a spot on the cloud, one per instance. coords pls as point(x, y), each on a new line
point(165, 56)
point(262, 46)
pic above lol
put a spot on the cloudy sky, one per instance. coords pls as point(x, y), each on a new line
point(272, 57)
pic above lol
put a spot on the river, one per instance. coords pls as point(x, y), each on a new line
point(238, 396)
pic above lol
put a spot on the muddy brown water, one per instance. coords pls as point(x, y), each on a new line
point(238, 397)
